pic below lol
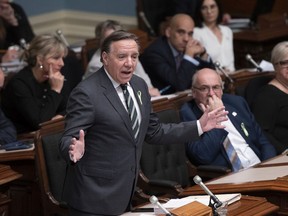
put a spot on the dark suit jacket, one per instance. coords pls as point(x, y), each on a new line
point(103, 181)
point(209, 149)
point(23, 30)
point(7, 130)
point(159, 63)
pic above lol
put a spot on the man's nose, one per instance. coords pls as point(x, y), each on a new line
point(211, 92)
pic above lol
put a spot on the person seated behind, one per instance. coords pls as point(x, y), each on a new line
point(270, 105)
point(102, 30)
point(8, 132)
point(16, 24)
point(241, 130)
point(172, 59)
point(216, 38)
point(190, 7)
point(38, 92)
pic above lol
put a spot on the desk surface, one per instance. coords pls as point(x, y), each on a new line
point(17, 155)
point(268, 179)
point(7, 174)
point(246, 206)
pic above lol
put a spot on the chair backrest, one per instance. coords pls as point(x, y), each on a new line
point(51, 167)
point(165, 163)
point(253, 86)
point(87, 51)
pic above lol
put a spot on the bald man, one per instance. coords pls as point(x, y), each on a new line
point(241, 129)
point(173, 58)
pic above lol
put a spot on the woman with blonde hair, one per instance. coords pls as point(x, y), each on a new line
point(38, 92)
point(270, 106)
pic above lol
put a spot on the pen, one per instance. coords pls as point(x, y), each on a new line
point(164, 89)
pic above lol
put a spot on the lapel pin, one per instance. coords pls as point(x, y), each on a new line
point(244, 129)
point(234, 114)
point(139, 96)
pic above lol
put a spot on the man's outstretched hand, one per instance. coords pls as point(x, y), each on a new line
point(77, 147)
point(212, 119)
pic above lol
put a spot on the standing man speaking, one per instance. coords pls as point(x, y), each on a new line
point(108, 118)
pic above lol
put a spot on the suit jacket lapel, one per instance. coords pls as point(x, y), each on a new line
point(237, 120)
point(112, 96)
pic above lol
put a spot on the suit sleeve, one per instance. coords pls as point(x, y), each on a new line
point(208, 147)
point(80, 115)
point(7, 130)
point(159, 63)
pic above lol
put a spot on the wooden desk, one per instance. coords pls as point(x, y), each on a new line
point(246, 206)
point(170, 101)
point(24, 191)
point(241, 79)
point(274, 186)
point(258, 43)
point(7, 175)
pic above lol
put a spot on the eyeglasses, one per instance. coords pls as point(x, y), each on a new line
point(209, 7)
point(283, 64)
point(206, 89)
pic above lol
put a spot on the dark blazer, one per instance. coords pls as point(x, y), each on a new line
point(209, 149)
point(23, 30)
point(7, 130)
point(27, 103)
point(103, 181)
point(159, 63)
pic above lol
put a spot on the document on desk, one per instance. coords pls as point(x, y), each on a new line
point(163, 96)
point(204, 199)
point(253, 175)
point(176, 203)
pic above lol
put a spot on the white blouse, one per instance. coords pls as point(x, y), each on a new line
point(221, 52)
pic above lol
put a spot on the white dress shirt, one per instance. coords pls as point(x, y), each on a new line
point(246, 155)
point(122, 98)
point(222, 52)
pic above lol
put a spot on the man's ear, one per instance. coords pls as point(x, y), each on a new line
point(167, 32)
point(104, 58)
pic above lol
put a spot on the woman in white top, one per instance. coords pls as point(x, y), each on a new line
point(216, 38)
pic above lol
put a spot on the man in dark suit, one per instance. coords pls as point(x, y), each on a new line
point(171, 60)
point(8, 132)
point(242, 131)
point(99, 142)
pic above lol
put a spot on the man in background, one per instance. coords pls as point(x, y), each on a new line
point(172, 59)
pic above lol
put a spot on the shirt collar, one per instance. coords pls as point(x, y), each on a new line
point(114, 83)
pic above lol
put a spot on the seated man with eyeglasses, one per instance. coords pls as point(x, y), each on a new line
point(241, 144)
point(270, 106)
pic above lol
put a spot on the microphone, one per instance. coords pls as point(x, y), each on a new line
point(251, 60)
point(62, 38)
point(219, 67)
point(154, 200)
point(146, 22)
point(198, 181)
point(23, 44)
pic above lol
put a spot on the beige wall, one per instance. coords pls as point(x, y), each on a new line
point(75, 25)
